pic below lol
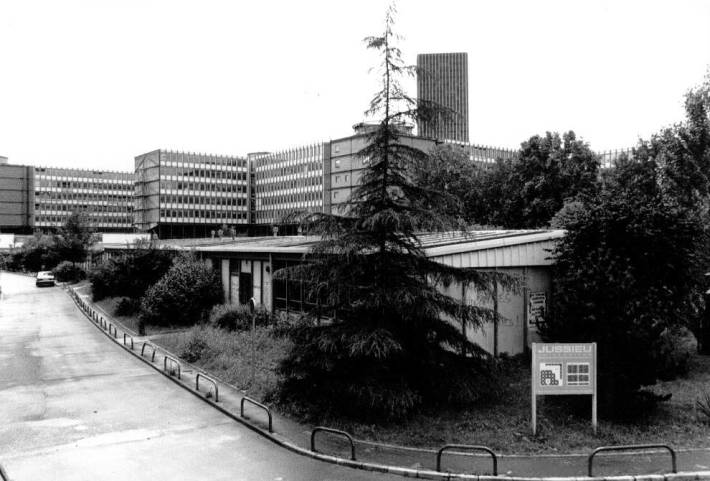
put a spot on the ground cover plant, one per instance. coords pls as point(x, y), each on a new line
point(504, 425)
point(229, 354)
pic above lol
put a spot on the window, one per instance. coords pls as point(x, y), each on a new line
point(337, 163)
point(578, 374)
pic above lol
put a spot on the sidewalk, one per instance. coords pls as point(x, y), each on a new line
point(415, 462)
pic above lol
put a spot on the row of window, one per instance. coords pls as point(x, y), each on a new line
point(269, 171)
point(305, 198)
point(293, 183)
point(47, 196)
point(166, 185)
point(61, 219)
point(198, 215)
point(203, 175)
point(189, 199)
point(42, 206)
point(201, 161)
point(94, 184)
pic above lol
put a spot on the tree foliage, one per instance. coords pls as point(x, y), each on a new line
point(74, 238)
point(131, 274)
point(630, 269)
point(388, 349)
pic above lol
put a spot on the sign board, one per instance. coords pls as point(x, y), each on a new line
point(537, 305)
point(564, 369)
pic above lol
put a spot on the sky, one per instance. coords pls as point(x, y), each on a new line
point(93, 83)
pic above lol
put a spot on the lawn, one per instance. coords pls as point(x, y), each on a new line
point(504, 426)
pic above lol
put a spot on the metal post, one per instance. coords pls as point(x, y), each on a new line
point(594, 394)
point(533, 392)
point(252, 308)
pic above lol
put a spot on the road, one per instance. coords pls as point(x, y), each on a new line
point(75, 406)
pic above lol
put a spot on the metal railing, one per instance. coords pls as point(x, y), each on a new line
point(332, 431)
point(146, 343)
point(258, 404)
point(173, 362)
point(467, 447)
point(631, 447)
point(129, 337)
point(208, 379)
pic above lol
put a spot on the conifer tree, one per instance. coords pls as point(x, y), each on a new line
point(394, 340)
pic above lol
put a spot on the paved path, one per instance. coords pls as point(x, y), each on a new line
point(75, 406)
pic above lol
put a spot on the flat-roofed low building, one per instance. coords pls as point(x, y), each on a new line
point(104, 197)
point(246, 266)
point(183, 194)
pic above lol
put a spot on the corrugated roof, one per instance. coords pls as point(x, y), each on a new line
point(433, 243)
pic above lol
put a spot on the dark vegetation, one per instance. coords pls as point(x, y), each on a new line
point(45, 252)
point(387, 352)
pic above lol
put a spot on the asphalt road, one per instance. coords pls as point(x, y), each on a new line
point(74, 406)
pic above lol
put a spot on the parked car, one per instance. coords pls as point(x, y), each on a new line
point(44, 278)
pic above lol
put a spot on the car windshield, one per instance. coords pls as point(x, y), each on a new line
point(44, 274)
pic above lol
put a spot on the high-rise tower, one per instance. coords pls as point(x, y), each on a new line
point(443, 78)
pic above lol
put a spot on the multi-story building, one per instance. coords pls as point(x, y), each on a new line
point(16, 192)
point(106, 198)
point(442, 78)
point(42, 198)
point(343, 167)
point(288, 182)
point(181, 194)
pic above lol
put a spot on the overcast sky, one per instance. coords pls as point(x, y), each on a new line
point(92, 83)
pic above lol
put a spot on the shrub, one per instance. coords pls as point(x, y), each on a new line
point(131, 274)
point(676, 347)
point(69, 272)
point(102, 278)
point(195, 347)
point(127, 307)
point(235, 317)
point(183, 295)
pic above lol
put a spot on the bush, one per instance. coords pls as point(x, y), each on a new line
point(131, 274)
point(194, 348)
point(69, 272)
point(236, 317)
point(676, 347)
point(127, 307)
point(183, 296)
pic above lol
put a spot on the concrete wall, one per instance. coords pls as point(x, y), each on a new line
point(515, 329)
point(15, 197)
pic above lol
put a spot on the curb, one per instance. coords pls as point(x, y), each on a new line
point(88, 310)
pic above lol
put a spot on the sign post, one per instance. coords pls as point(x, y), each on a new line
point(558, 369)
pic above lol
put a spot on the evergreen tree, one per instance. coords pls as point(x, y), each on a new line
point(393, 342)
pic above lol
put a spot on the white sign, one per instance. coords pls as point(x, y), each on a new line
point(537, 305)
point(564, 369)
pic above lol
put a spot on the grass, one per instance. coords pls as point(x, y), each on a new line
point(505, 426)
point(228, 355)
point(131, 322)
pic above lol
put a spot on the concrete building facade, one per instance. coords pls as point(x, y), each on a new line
point(287, 182)
point(442, 78)
point(42, 198)
point(16, 194)
point(106, 198)
point(181, 194)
